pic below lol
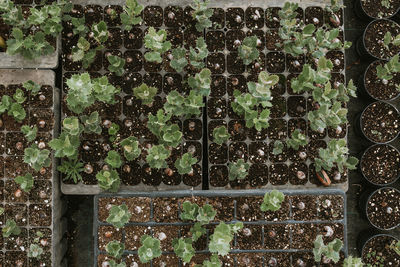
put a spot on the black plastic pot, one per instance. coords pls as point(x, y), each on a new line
point(363, 205)
point(359, 129)
point(362, 89)
point(365, 177)
point(363, 15)
point(366, 236)
point(361, 47)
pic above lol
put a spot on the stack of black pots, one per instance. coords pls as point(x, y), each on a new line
point(379, 125)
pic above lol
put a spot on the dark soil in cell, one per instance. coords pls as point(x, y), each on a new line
point(260, 38)
point(281, 157)
point(13, 193)
point(112, 15)
point(215, 41)
point(166, 260)
point(380, 164)
point(218, 85)
point(380, 89)
point(237, 150)
point(338, 132)
point(276, 236)
point(296, 106)
point(193, 147)
point(165, 209)
point(250, 237)
point(258, 152)
point(248, 209)
point(115, 38)
point(130, 173)
point(219, 175)
point(43, 119)
point(192, 129)
point(303, 236)
point(298, 173)
point(173, 16)
point(216, 63)
point(331, 231)
point(330, 207)
point(236, 82)
point(218, 18)
point(224, 207)
point(190, 36)
point(257, 65)
point(337, 58)
point(17, 242)
point(133, 39)
point(380, 245)
point(272, 19)
point(41, 192)
point(44, 99)
point(373, 35)
point(195, 178)
point(237, 130)
point(314, 15)
point(272, 39)
point(258, 175)
point(235, 18)
point(93, 14)
point(165, 234)
point(383, 208)
point(277, 129)
point(313, 148)
point(278, 174)
point(15, 144)
point(380, 122)
point(278, 109)
point(132, 236)
point(172, 81)
point(275, 62)
point(254, 17)
point(15, 258)
point(134, 60)
point(304, 207)
point(255, 135)
point(234, 38)
point(40, 215)
point(153, 16)
point(175, 36)
point(218, 154)
point(294, 64)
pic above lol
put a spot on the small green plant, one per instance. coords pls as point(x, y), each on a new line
point(388, 40)
point(78, 24)
point(10, 228)
point(113, 159)
point(238, 170)
point(19, 96)
point(185, 163)
point(83, 51)
point(377, 259)
point(25, 182)
point(167, 134)
point(179, 60)
point(248, 51)
point(385, 72)
point(192, 212)
point(156, 157)
point(201, 82)
point(329, 251)
point(71, 170)
point(247, 104)
point(352, 262)
point(278, 147)
point(150, 249)
point(35, 250)
point(116, 65)
point(145, 93)
point(29, 132)
point(119, 215)
point(179, 105)
point(113, 131)
point(108, 180)
point(31, 86)
point(72, 126)
point(65, 146)
point(13, 109)
point(156, 42)
point(334, 7)
point(198, 54)
point(336, 154)
point(220, 135)
point(113, 263)
point(395, 245)
point(272, 201)
point(131, 149)
point(37, 158)
point(115, 249)
point(83, 92)
point(91, 123)
point(131, 15)
point(222, 237)
point(183, 248)
point(298, 139)
point(202, 14)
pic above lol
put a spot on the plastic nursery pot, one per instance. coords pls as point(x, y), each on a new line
point(370, 44)
point(370, 86)
point(380, 164)
point(379, 122)
point(382, 208)
point(371, 244)
point(264, 237)
point(370, 9)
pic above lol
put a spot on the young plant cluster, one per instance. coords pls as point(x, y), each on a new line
point(46, 22)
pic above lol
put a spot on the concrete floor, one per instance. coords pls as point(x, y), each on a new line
point(80, 208)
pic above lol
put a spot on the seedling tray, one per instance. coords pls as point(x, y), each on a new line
point(160, 209)
point(165, 183)
point(19, 62)
point(53, 227)
point(266, 171)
